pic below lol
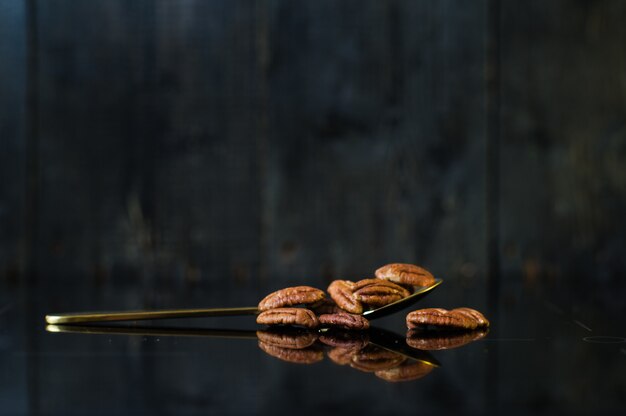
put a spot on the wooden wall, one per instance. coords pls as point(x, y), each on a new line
point(215, 144)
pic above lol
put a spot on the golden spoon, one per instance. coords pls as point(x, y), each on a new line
point(83, 317)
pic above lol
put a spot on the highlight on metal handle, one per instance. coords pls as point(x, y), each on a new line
point(83, 317)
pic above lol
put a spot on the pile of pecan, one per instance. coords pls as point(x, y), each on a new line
point(309, 307)
point(340, 310)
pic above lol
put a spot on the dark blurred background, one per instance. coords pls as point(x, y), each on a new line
point(205, 153)
point(197, 145)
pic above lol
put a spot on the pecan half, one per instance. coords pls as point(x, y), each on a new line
point(472, 314)
point(297, 295)
point(344, 320)
point(408, 274)
point(288, 316)
point(442, 340)
point(377, 301)
point(441, 318)
point(341, 292)
point(308, 355)
point(368, 283)
point(371, 359)
point(377, 292)
point(288, 339)
point(405, 372)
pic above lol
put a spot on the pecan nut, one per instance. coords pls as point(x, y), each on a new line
point(405, 372)
point(308, 355)
point(288, 316)
point(472, 314)
point(287, 339)
point(377, 292)
point(408, 274)
point(428, 341)
point(377, 301)
point(290, 296)
point(344, 320)
point(439, 317)
point(341, 291)
point(364, 284)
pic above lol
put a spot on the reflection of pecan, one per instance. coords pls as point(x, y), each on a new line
point(344, 320)
point(308, 355)
point(287, 339)
point(443, 318)
point(341, 356)
point(442, 340)
point(372, 359)
point(405, 372)
point(409, 274)
point(377, 292)
point(341, 292)
point(288, 316)
point(346, 344)
point(298, 295)
point(354, 340)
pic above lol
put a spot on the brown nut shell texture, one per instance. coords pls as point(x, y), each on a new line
point(408, 274)
point(290, 296)
point(288, 316)
point(438, 317)
point(341, 291)
point(344, 320)
point(473, 314)
point(377, 292)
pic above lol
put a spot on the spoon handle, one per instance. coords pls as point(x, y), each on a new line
point(82, 317)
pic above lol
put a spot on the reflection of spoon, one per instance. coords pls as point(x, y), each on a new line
point(378, 337)
point(394, 342)
point(152, 331)
point(82, 317)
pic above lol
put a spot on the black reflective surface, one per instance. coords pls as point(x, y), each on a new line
point(541, 355)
